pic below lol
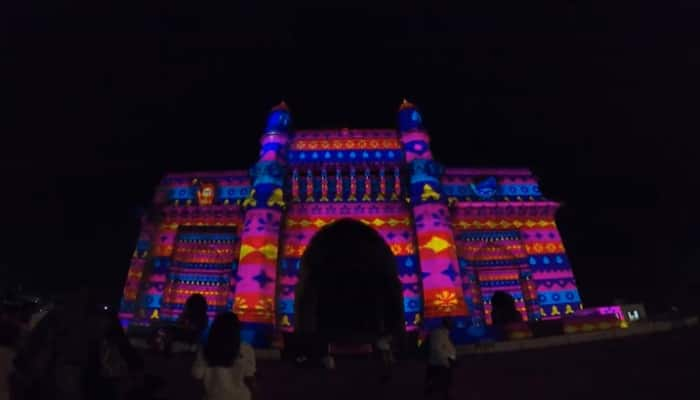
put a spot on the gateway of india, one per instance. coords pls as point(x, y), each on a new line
point(458, 235)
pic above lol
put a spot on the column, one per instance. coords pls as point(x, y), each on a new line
point(442, 281)
point(254, 300)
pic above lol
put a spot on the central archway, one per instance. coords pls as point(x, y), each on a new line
point(349, 289)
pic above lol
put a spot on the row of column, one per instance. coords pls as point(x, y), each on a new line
point(350, 185)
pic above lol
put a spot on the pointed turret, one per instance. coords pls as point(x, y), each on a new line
point(260, 239)
point(413, 136)
point(409, 117)
point(279, 121)
point(276, 135)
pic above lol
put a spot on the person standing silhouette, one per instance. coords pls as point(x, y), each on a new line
point(441, 357)
point(225, 364)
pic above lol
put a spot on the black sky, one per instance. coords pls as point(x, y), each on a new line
point(600, 98)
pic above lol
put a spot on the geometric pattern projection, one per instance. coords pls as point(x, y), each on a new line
point(497, 260)
point(203, 261)
point(459, 235)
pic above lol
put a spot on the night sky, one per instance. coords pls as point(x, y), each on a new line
point(599, 99)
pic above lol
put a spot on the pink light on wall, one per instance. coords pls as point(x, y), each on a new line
point(609, 310)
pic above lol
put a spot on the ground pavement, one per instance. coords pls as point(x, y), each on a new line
point(640, 367)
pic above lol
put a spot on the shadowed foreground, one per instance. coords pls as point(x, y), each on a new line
point(643, 367)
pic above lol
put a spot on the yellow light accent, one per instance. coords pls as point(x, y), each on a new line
point(304, 223)
point(588, 327)
point(285, 321)
point(319, 223)
point(624, 325)
point(429, 193)
point(250, 200)
point(276, 198)
point(264, 307)
point(437, 244)
point(378, 222)
point(239, 305)
point(517, 224)
point(155, 315)
point(416, 319)
point(555, 311)
point(569, 310)
point(445, 301)
point(269, 251)
point(245, 250)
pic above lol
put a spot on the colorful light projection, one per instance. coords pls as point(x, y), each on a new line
point(442, 285)
point(391, 220)
point(526, 240)
point(459, 235)
point(203, 262)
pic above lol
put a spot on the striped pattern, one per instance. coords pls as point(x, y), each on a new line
point(203, 262)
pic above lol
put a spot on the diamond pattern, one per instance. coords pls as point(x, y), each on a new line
point(262, 279)
point(450, 272)
point(437, 244)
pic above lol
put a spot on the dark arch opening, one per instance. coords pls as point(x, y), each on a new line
point(349, 290)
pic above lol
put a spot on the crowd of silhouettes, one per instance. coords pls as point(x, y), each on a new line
point(76, 350)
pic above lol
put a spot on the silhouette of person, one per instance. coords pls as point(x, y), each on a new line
point(225, 364)
point(441, 357)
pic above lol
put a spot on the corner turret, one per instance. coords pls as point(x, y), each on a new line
point(279, 120)
point(409, 117)
point(276, 135)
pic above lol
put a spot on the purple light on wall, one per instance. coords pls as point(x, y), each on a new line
point(609, 310)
